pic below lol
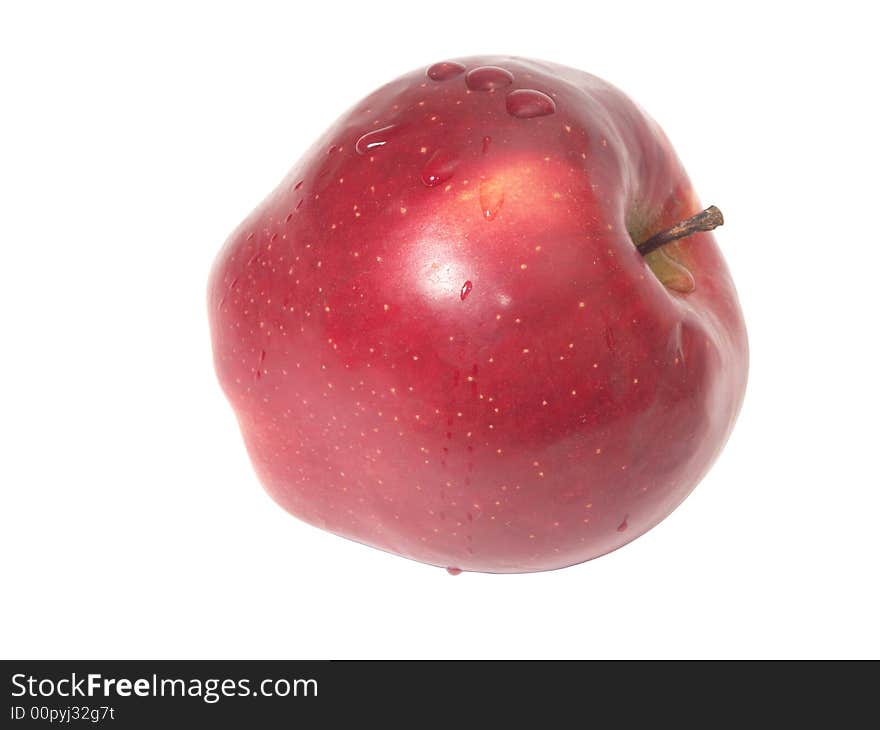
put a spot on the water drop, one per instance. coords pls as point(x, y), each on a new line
point(491, 198)
point(438, 168)
point(488, 78)
point(375, 139)
point(454, 571)
point(444, 70)
point(487, 140)
point(466, 289)
point(623, 525)
point(298, 185)
point(528, 103)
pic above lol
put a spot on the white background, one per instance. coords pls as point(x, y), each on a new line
point(134, 140)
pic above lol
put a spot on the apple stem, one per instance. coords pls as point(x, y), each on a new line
point(706, 220)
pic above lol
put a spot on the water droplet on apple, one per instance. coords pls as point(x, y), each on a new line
point(371, 141)
point(491, 198)
point(487, 140)
point(454, 571)
point(529, 103)
point(466, 289)
point(438, 168)
point(445, 70)
point(298, 185)
point(623, 525)
point(488, 78)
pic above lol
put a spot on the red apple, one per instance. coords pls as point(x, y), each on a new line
point(441, 340)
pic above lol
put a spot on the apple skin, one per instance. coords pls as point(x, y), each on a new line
point(440, 339)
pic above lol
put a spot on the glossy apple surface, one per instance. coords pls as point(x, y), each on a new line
point(440, 340)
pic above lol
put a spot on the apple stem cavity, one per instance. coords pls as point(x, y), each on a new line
point(706, 220)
